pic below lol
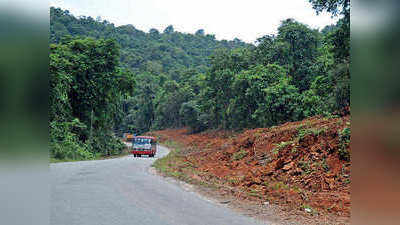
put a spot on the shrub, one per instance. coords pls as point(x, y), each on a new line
point(64, 144)
point(240, 154)
point(344, 138)
point(282, 103)
point(280, 146)
point(191, 116)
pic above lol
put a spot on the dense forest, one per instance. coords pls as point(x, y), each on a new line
point(106, 80)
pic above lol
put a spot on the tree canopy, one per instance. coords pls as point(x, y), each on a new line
point(87, 89)
point(107, 80)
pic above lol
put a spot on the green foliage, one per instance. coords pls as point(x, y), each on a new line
point(280, 186)
point(239, 155)
point(87, 88)
point(154, 52)
point(168, 102)
point(338, 38)
point(282, 103)
point(166, 67)
point(332, 6)
point(295, 48)
point(248, 89)
point(344, 137)
point(191, 115)
point(312, 104)
point(302, 133)
point(303, 44)
point(287, 77)
point(193, 79)
point(324, 165)
point(281, 146)
point(64, 144)
point(305, 166)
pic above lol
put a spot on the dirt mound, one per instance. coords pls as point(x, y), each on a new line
point(301, 165)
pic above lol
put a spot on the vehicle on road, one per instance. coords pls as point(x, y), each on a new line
point(144, 145)
point(127, 137)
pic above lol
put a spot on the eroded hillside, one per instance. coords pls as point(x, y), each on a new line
point(301, 165)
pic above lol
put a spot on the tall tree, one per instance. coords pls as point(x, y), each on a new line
point(88, 88)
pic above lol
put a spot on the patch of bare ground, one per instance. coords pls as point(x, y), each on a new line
point(296, 173)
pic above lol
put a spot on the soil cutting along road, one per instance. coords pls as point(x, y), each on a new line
point(123, 191)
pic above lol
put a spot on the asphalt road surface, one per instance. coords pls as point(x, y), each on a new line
point(122, 191)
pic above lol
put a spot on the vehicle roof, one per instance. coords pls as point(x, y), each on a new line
point(148, 137)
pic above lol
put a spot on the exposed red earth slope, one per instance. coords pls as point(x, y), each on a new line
point(298, 165)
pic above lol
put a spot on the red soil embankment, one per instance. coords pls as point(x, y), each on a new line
point(301, 165)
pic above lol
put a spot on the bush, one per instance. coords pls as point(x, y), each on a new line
point(65, 145)
point(282, 103)
point(106, 144)
point(239, 155)
point(192, 117)
point(344, 137)
point(312, 104)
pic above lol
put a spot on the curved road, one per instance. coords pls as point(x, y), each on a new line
point(122, 191)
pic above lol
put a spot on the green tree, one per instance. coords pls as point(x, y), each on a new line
point(169, 30)
point(200, 32)
point(282, 103)
point(335, 7)
point(248, 93)
point(339, 38)
point(87, 88)
point(191, 116)
point(303, 44)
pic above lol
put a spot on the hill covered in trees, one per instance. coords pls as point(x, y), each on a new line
point(106, 80)
point(160, 53)
point(103, 77)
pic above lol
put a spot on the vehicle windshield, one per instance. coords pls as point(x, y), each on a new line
point(142, 141)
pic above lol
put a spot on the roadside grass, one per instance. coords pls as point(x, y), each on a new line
point(97, 157)
point(173, 145)
point(255, 193)
point(279, 186)
point(174, 165)
point(53, 160)
point(112, 156)
point(169, 163)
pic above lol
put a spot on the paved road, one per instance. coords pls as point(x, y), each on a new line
point(122, 191)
